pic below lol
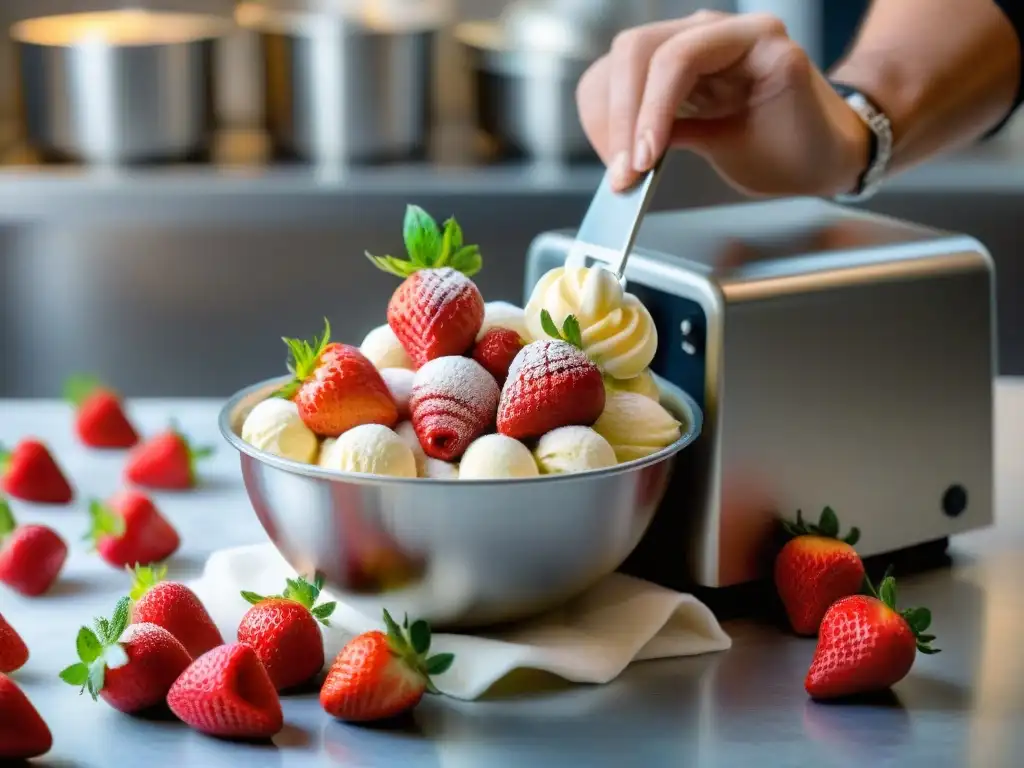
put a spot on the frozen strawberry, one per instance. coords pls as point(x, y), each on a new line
point(23, 732)
point(100, 420)
point(13, 651)
point(551, 384)
point(437, 310)
point(380, 675)
point(496, 351)
point(131, 667)
point(226, 692)
point(453, 402)
point(174, 607)
point(284, 633)
point(336, 387)
point(165, 462)
point(30, 473)
point(31, 556)
point(129, 530)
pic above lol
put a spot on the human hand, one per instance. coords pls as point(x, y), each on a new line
point(735, 89)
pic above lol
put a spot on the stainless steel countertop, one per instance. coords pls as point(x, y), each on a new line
point(743, 707)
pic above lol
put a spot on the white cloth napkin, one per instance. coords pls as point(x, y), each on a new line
point(589, 640)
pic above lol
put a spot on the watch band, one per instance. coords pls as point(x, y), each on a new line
point(880, 147)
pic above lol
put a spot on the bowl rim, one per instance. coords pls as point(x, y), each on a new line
point(680, 404)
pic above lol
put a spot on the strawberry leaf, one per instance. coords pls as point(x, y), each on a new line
point(392, 266)
point(571, 332)
point(422, 236)
point(119, 621)
point(549, 325)
point(853, 536)
point(79, 387)
point(467, 260)
point(88, 646)
point(927, 649)
point(396, 638)
point(323, 611)
point(829, 523)
point(439, 664)
point(76, 675)
point(104, 522)
point(419, 634)
point(919, 619)
point(887, 592)
point(145, 577)
point(102, 628)
point(252, 598)
point(97, 676)
point(305, 355)
point(451, 242)
point(7, 522)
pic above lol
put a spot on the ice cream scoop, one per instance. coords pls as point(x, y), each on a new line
point(439, 470)
point(502, 314)
point(399, 381)
point(275, 426)
point(407, 433)
point(635, 425)
point(495, 456)
point(573, 449)
point(618, 332)
point(372, 449)
point(384, 349)
point(643, 384)
point(325, 448)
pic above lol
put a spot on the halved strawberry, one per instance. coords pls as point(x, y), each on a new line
point(437, 310)
point(380, 675)
point(166, 461)
point(100, 420)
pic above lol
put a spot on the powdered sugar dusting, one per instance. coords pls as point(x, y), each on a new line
point(545, 358)
point(440, 287)
point(454, 400)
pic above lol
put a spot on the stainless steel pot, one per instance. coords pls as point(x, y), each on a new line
point(458, 553)
point(345, 89)
point(118, 86)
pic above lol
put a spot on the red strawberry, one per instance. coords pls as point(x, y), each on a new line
point(129, 666)
point(100, 420)
point(30, 473)
point(865, 645)
point(13, 651)
point(165, 462)
point(815, 569)
point(174, 607)
point(437, 310)
point(496, 351)
point(23, 732)
point(129, 530)
point(453, 402)
point(284, 633)
point(380, 675)
point(226, 692)
point(551, 384)
point(336, 387)
point(31, 556)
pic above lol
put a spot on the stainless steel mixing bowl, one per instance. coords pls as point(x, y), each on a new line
point(459, 553)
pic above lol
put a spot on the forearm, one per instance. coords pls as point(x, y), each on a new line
point(944, 71)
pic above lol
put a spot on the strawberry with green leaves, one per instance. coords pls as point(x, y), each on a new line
point(380, 675)
point(129, 530)
point(283, 631)
point(816, 568)
point(867, 645)
point(166, 462)
point(175, 607)
point(100, 420)
point(551, 384)
point(131, 667)
point(437, 310)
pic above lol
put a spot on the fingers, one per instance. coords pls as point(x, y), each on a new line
point(678, 64)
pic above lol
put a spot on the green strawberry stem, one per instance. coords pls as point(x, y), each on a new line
point(99, 651)
point(918, 619)
point(145, 577)
point(430, 247)
point(411, 644)
point(104, 521)
point(303, 359)
point(304, 593)
point(5, 458)
point(79, 387)
point(570, 332)
point(828, 526)
point(7, 521)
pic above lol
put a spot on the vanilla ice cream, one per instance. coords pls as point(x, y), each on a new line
point(275, 426)
point(495, 456)
point(439, 470)
point(642, 385)
point(372, 449)
point(618, 332)
point(325, 448)
point(399, 381)
point(384, 350)
point(501, 314)
point(635, 425)
point(573, 449)
point(408, 435)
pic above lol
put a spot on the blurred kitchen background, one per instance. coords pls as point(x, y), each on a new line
point(168, 212)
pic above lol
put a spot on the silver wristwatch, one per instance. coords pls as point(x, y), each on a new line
point(880, 151)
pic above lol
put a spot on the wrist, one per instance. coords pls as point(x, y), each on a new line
point(855, 149)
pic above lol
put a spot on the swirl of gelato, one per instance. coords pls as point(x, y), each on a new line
point(618, 331)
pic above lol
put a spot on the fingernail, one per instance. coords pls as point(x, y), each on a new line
point(643, 155)
point(620, 170)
